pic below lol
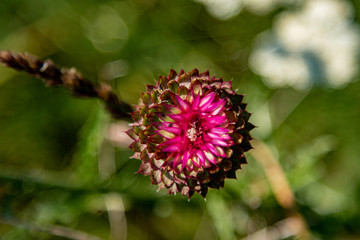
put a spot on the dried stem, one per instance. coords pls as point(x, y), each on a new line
point(291, 226)
point(71, 79)
point(274, 174)
point(280, 185)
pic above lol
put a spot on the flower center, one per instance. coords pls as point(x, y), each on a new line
point(192, 134)
point(194, 129)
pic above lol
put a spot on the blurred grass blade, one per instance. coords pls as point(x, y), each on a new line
point(90, 138)
point(221, 216)
point(54, 230)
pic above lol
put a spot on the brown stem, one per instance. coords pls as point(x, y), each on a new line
point(280, 185)
point(71, 79)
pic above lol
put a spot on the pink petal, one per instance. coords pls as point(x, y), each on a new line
point(185, 160)
point(172, 148)
point(196, 161)
point(216, 150)
point(181, 103)
point(212, 135)
point(220, 108)
point(189, 165)
point(174, 130)
point(206, 101)
point(177, 160)
point(219, 130)
point(219, 142)
point(220, 151)
point(218, 136)
point(176, 140)
point(210, 157)
point(201, 156)
point(211, 148)
point(216, 120)
point(196, 102)
point(211, 107)
point(225, 136)
point(176, 117)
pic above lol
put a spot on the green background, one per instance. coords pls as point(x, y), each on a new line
point(60, 168)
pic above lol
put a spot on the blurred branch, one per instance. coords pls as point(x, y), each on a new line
point(40, 177)
point(274, 174)
point(55, 230)
point(279, 184)
point(71, 79)
point(116, 212)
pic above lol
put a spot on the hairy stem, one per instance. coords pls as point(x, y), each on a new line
point(71, 79)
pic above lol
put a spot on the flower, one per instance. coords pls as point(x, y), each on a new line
point(190, 131)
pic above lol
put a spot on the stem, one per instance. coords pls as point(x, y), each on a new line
point(71, 79)
point(280, 185)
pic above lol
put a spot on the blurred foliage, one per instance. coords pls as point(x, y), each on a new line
point(59, 167)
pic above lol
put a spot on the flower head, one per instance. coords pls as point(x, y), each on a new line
point(190, 132)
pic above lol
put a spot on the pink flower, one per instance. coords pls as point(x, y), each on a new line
point(190, 132)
